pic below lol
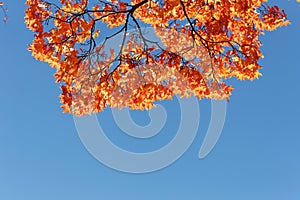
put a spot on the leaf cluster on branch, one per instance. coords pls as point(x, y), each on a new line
point(203, 43)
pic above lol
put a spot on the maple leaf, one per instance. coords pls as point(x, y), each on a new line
point(200, 45)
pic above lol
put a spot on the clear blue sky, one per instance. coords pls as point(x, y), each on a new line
point(257, 156)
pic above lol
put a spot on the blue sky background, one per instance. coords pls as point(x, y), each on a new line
point(257, 156)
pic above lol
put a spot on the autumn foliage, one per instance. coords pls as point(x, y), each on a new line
point(203, 43)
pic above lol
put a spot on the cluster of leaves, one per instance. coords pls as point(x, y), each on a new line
point(204, 42)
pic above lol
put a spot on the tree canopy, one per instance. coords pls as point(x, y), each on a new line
point(203, 43)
